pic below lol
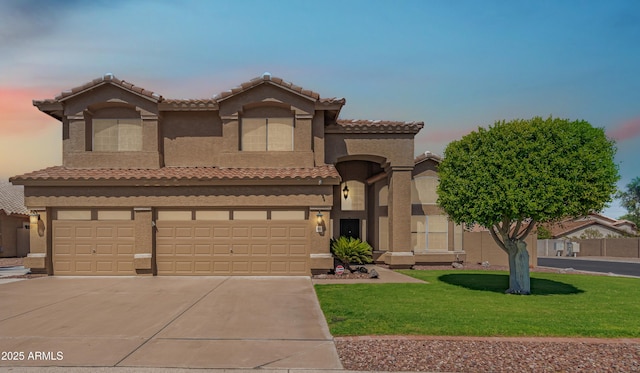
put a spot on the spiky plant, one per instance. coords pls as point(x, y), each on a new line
point(352, 250)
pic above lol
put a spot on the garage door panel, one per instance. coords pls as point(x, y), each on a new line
point(240, 232)
point(298, 267)
point(125, 249)
point(278, 232)
point(63, 233)
point(297, 250)
point(93, 247)
point(222, 232)
point(298, 232)
point(81, 249)
point(240, 249)
point(84, 232)
point(126, 232)
point(83, 266)
point(233, 247)
point(278, 249)
point(203, 249)
point(262, 249)
point(221, 249)
point(203, 232)
point(240, 267)
point(183, 249)
point(259, 233)
point(183, 232)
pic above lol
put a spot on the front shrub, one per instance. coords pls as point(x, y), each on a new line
point(352, 250)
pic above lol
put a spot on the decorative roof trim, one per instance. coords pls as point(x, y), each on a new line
point(60, 175)
point(373, 126)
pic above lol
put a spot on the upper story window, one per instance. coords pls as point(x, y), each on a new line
point(112, 135)
point(424, 190)
point(267, 134)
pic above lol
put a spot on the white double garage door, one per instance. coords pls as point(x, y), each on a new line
point(252, 243)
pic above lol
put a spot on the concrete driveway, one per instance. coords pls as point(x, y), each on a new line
point(174, 322)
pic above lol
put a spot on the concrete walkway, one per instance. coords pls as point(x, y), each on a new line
point(166, 322)
point(386, 276)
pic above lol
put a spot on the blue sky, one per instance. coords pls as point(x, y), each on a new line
point(455, 65)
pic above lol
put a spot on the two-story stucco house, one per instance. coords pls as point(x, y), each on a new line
point(254, 181)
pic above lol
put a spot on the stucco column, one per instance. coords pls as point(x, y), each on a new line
point(320, 257)
point(143, 225)
point(399, 202)
point(38, 258)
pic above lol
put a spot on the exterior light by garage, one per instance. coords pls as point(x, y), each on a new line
point(345, 191)
point(319, 218)
point(34, 217)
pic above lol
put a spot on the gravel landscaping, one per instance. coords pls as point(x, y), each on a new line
point(477, 354)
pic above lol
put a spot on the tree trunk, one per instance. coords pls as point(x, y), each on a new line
point(519, 277)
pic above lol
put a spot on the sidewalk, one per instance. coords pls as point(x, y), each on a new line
point(386, 276)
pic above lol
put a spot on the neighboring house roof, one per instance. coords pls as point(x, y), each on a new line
point(12, 199)
point(427, 156)
point(570, 226)
point(183, 175)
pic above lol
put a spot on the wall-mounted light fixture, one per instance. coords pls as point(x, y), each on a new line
point(319, 218)
point(34, 217)
point(345, 191)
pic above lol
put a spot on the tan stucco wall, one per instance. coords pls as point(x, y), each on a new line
point(8, 234)
point(394, 149)
point(617, 247)
point(191, 138)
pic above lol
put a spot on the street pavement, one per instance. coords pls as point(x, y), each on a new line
point(617, 266)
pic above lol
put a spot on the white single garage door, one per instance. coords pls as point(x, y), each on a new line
point(232, 247)
point(93, 247)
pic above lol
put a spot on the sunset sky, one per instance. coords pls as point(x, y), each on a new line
point(455, 65)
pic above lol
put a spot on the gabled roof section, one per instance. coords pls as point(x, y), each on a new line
point(12, 199)
point(266, 78)
point(108, 79)
point(53, 107)
point(60, 175)
point(373, 126)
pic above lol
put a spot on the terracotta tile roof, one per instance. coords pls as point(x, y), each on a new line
point(192, 104)
point(266, 78)
point(375, 126)
point(107, 78)
point(60, 173)
point(12, 199)
point(426, 156)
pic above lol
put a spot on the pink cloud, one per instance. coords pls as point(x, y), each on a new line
point(19, 116)
point(626, 130)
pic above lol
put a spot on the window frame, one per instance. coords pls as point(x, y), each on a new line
point(266, 127)
point(118, 122)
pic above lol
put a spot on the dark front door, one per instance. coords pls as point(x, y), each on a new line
point(350, 228)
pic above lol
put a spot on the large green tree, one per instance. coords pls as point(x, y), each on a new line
point(630, 200)
point(512, 175)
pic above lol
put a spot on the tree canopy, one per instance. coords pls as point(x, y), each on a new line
point(512, 175)
point(630, 200)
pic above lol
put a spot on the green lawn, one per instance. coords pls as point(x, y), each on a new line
point(472, 303)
